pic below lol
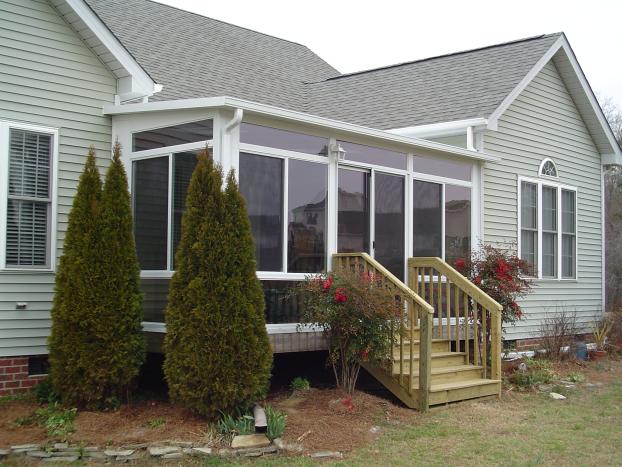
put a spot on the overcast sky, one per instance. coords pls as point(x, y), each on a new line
point(358, 35)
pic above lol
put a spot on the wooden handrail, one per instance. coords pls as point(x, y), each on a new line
point(474, 291)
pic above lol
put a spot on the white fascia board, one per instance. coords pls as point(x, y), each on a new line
point(292, 115)
point(142, 84)
point(436, 130)
point(561, 43)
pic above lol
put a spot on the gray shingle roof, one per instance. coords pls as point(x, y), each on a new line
point(195, 56)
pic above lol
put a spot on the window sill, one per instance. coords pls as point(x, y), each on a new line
point(26, 271)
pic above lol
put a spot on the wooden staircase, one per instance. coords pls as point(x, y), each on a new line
point(447, 346)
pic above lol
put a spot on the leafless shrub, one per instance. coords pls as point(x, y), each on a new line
point(557, 331)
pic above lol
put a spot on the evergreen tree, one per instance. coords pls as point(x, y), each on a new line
point(71, 346)
point(217, 356)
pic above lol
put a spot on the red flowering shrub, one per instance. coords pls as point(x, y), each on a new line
point(500, 274)
point(357, 312)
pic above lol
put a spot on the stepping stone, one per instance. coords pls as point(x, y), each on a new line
point(19, 448)
point(181, 444)
point(557, 397)
point(205, 451)
point(157, 451)
point(327, 455)
point(59, 446)
point(4, 453)
point(39, 454)
point(119, 452)
point(173, 455)
point(250, 441)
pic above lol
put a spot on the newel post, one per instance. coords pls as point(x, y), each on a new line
point(425, 360)
point(495, 345)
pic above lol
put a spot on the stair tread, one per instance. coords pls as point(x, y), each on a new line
point(451, 369)
point(462, 384)
point(407, 342)
point(434, 354)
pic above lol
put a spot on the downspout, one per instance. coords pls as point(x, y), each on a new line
point(470, 139)
point(228, 159)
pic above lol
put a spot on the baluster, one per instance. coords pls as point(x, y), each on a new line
point(411, 308)
point(466, 326)
point(484, 344)
point(440, 304)
point(448, 299)
point(457, 316)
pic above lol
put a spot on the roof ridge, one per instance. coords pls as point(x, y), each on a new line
point(395, 65)
point(228, 23)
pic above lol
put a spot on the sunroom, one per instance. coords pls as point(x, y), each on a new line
point(313, 187)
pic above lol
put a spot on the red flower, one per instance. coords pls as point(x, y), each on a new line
point(502, 270)
point(460, 264)
point(327, 284)
point(365, 354)
point(477, 280)
point(340, 295)
point(348, 403)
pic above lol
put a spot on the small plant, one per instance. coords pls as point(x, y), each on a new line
point(156, 422)
point(240, 425)
point(557, 332)
point(56, 420)
point(44, 392)
point(300, 384)
point(539, 371)
point(601, 330)
point(276, 422)
point(575, 377)
point(25, 421)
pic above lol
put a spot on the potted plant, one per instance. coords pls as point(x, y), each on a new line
point(600, 330)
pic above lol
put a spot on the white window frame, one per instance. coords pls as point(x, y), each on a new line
point(559, 187)
point(5, 127)
point(544, 161)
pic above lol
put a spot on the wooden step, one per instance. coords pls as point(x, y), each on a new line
point(451, 374)
point(438, 345)
point(439, 359)
point(443, 393)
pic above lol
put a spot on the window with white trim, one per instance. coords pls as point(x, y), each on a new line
point(27, 157)
point(548, 168)
point(547, 219)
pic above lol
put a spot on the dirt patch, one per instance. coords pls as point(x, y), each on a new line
point(324, 420)
point(10, 433)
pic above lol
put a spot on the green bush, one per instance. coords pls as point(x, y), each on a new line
point(217, 353)
point(96, 344)
point(44, 392)
point(276, 422)
point(300, 384)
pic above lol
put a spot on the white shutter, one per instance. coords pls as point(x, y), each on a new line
point(28, 204)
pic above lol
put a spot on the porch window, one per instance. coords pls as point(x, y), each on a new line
point(457, 222)
point(283, 139)
point(27, 198)
point(353, 210)
point(547, 234)
point(173, 135)
point(372, 155)
point(442, 168)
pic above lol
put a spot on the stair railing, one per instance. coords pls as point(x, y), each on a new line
point(476, 317)
point(416, 313)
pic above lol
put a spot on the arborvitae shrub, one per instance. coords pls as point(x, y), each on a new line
point(217, 354)
point(76, 301)
point(96, 345)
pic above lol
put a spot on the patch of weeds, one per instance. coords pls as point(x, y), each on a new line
point(25, 421)
point(57, 420)
point(575, 377)
point(156, 422)
point(276, 422)
point(243, 424)
point(15, 397)
point(539, 371)
point(300, 384)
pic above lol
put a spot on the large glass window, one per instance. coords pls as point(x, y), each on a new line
point(281, 305)
point(283, 139)
point(389, 222)
point(372, 155)
point(306, 201)
point(150, 196)
point(549, 231)
point(155, 298)
point(569, 234)
point(170, 136)
point(353, 211)
point(457, 223)
point(29, 199)
point(427, 219)
point(184, 164)
point(442, 168)
point(529, 223)
point(261, 184)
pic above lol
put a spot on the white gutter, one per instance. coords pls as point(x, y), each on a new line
point(227, 153)
point(434, 130)
point(300, 117)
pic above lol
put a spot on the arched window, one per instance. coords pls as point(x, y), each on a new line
point(548, 168)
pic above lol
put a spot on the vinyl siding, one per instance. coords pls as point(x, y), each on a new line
point(544, 122)
point(48, 77)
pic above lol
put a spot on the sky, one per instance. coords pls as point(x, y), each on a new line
point(359, 35)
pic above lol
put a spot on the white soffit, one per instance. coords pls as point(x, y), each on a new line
point(133, 81)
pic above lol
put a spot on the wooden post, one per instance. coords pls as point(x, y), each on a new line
point(425, 360)
point(495, 345)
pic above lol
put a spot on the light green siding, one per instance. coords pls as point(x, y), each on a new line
point(48, 77)
point(544, 122)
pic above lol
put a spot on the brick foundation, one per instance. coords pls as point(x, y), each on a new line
point(14, 377)
point(522, 345)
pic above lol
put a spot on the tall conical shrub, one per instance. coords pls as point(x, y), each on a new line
point(217, 356)
point(76, 301)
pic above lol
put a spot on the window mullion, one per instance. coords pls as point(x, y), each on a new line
point(285, 211)
point(443, 221)
point(560, 233)
point(539, 214)
point(169, 230)
point(4, 190)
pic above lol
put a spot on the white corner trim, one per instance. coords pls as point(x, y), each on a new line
point(434, 130)
point(292, 115)
point(142, 83)
point(561, 43)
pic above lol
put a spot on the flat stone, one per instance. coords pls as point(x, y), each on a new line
point(92, 449)
point(95, 455)
point(556, 396)
point(327, 455)
point(266, 450)
point(39, 454)
point(545, 387)
point(173, 455)
point(283, 446)
point(119, 452)
point(66, 460)
point(59, 446)
point(250, 441)
point(73, 452)
point(181, 444)
point(204, 451)
point(135, 446)
point(375, 429)
point(157, 451)
point(253, 453)
point(18, 448)
point(4, 452)
point(133, 457)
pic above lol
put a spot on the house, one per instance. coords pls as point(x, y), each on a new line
point(503, 145)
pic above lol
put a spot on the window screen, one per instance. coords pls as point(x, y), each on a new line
point(549, 231)
point(183, 167)
point(29, 200)
point(529, 223)
point(569, 234)
point(427, 219)
point(283, 139)
point(170, 136)
point(457, 223)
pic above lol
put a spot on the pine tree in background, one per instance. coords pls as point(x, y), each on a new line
point(117, 328)
point(75, 307)
point(217, 356)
